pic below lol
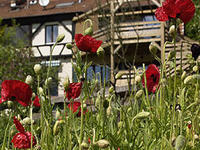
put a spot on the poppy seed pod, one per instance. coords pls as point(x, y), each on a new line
point(69, 45)
point(100, 51)
point(60, 38)
point(37, 68)
point(102, 143)
point(152, 48)
point(29, 80)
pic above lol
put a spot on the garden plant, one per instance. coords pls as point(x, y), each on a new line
point(159, 112)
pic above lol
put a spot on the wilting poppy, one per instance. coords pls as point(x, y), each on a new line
point(76, 107)
point(152, 77)
point(87, 43)
point(14, 90)
point(195, 51)
point(36, 102)
point(22, 140)
point(74, 90)
point(183, 9)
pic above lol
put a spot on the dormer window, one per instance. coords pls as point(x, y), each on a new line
point(51, 33)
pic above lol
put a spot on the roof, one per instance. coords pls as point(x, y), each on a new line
point(35, 10)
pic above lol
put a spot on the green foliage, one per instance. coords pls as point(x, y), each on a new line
point(193, 27)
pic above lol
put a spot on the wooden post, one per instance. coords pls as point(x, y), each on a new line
point(112, 41)
point(162, 41)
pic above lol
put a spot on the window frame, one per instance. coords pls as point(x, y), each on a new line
point(52, 33)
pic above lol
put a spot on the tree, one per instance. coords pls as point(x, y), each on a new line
point(193, 27)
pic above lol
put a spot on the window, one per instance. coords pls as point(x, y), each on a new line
point(51, 33)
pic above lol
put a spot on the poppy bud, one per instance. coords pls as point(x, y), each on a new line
point(37, 68)
point(108, 111)
point(172, 30)
point(9, 104)
point(66, 82)
point(171, 55)
point(100, 51)
point(142, 115)
point(119, 75)
point(129, 109)
point(60, 38)
point(102, 143)
point(56, 128)
point(84, 145)
point(88, 31)
point(84, 107)
point(139, 94)
point(196, 137)
point(57, 114)
point(195, 68)
point(48, 81)
point(120, 124)
point(152, 48)
point(188, 79)
point(105, 103)
point(183, 75)
point(137, 79)
point(180, 142)
point(111, 90)
point(29, 80)
point(69, 45)
point(40, 90)
point(27, 121)
point(33, 95)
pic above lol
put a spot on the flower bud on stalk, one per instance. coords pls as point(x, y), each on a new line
point(108, 111)
point(69, 45)
point(29, 80)
point(118, 75)
point(152, 48)
point(89, 30)
point(111, 90)
point(60, 38)
point(58, 114)
point(37, 68)
point(41, 91)
point(102, 143)
point(100, 51)
point(171, 55)
point(180, 142)
point(48, 81)
point(188, 79)
point(195, 68)
point(138, 94)
point(172, 31)
point(137, 79)
point(183, 75)
point(66, 83)
point(9, 104)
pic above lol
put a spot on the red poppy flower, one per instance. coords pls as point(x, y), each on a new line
point(36, 102)
point(183, 9)
point(152, 77)
point(14, 90)
point(76, 107)
point(87, 43)
point(22, 140)
point(74, 90)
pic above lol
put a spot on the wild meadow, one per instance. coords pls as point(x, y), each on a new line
point(160, 110)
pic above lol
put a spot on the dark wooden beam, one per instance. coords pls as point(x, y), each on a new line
point(66, 28)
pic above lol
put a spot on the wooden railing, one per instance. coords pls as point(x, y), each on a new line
point(131, 32)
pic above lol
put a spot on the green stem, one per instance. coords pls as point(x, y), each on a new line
point(31, 117)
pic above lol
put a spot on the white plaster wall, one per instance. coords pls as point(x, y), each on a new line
point(39, 39)
point(66, 70)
